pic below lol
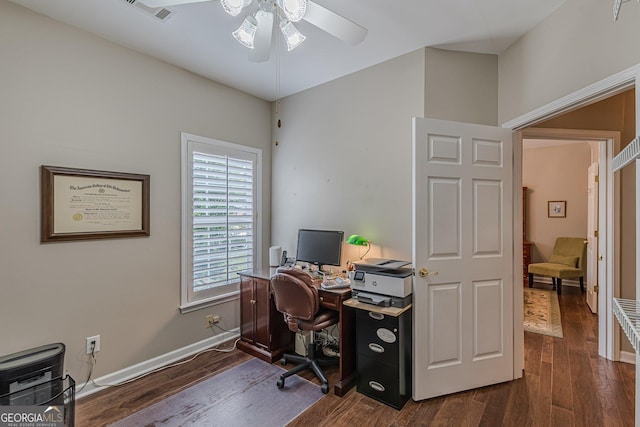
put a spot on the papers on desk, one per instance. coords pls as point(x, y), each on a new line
point(382, 263)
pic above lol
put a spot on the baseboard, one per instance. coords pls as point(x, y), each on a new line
point(628, 357)
point(153, 364)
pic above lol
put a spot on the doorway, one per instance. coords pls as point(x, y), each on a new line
point(596, 108)
point(608, 227)
point(558, 169)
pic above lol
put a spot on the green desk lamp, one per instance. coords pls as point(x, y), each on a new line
point(358, 240)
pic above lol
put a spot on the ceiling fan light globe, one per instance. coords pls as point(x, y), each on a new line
point(233, 7)
point(294, 10)
point(246, 33)
point(292, 36)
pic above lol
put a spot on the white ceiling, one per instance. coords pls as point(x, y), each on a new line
point(198, 37)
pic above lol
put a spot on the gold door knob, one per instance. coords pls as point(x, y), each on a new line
point(424, 272)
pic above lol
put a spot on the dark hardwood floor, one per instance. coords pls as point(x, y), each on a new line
point(565, 384)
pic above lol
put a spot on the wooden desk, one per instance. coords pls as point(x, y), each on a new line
point(264, 334)
point(334, 299)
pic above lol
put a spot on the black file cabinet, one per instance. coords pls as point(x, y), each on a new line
point(384, 354)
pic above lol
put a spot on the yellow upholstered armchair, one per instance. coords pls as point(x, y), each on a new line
point(568, 261)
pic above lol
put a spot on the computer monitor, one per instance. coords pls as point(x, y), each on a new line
point(320, 247)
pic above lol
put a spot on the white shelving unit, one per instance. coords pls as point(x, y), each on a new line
point(628, 314)
point(628, 311)
point(630, 153)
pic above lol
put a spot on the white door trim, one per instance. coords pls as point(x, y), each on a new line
point(595, 92)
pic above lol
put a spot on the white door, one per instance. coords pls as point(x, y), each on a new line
point(592, 238)
point(463, 231)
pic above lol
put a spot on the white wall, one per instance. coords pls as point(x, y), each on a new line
point(461, 86)
point(556, 172)
point(344, 158)
point(71, 99)
point(576, 46)
point(344, 154)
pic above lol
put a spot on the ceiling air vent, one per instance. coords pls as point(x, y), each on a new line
point(160, 13)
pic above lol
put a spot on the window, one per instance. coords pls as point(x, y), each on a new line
point(220, 227)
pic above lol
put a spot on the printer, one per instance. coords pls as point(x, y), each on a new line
point(383, 282)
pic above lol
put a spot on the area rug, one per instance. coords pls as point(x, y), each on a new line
point(542, 312)
point(245, 395)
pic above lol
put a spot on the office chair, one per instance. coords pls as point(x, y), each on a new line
point(296, 297)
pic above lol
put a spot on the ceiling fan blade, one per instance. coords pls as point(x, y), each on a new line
point(163, 3)
point(334, 24)
point(262, 40)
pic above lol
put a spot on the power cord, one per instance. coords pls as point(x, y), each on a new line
point(329, 344)
point(93, 361)
point(92, 358)
point(222, 350)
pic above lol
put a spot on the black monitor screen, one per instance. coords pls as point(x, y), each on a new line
point(321, 247)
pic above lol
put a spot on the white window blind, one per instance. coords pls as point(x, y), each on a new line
point(222, 219)
point(220, 231)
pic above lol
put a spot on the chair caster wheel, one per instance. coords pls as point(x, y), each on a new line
point(283, 361)
point(325, 388)
point(280, 383)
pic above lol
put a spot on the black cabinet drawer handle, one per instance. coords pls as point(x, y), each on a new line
point(377, 316)
point(376, 386)
point(376, 348)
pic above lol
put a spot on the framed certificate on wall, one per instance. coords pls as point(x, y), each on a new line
point(82, 204)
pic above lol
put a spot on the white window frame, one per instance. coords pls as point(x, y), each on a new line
point(189, 300)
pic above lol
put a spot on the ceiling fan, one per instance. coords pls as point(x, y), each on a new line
point(256, 30)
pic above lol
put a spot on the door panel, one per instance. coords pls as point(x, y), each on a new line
point(445, 320)
point(263, 308)
point(463, 228)
point(488, 324)
point(487, 200)
point(445, 226)
point(488, 153)
point(247, 309)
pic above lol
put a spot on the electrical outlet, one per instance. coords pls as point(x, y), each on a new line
point(93, 344)
point(211, 319)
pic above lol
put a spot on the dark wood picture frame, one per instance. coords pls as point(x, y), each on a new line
point(103, 204)
point(557, 209)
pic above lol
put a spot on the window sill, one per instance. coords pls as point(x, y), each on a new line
point(209, 302)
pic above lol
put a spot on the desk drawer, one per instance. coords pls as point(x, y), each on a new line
point(330, 300)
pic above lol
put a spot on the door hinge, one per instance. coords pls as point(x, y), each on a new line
point(595, 233)
point(596, 289)
point(597, 178)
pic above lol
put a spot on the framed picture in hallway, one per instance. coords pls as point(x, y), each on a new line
point(557, 209)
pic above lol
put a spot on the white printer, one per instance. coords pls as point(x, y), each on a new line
point(383, 282)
